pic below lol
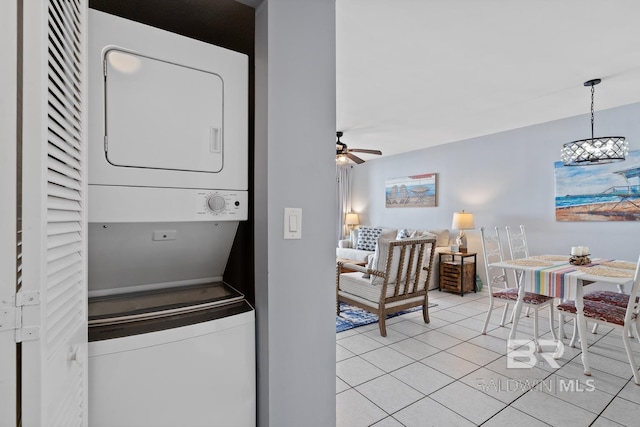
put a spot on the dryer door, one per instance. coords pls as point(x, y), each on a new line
point(161, 115)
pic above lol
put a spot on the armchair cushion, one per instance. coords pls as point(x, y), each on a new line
point(353, 283)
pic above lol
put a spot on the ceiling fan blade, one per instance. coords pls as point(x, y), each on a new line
point(356, 159)
point(361, 150)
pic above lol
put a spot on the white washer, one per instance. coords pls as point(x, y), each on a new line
point(201, 374)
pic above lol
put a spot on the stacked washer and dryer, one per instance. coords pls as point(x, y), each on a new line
point(170, 343)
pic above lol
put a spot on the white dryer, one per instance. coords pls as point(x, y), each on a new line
point(168, 125)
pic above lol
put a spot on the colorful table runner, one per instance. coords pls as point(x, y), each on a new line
point(559, 280)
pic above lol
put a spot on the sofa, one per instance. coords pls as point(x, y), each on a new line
point(363, 250)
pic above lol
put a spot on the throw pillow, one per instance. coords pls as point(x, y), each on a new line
point(402, 234)
point(367, 238)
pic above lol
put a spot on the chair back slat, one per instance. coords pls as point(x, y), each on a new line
point(518, 247)
point(415, 281)
point(401, 268)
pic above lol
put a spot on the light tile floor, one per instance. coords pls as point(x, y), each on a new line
point(446, 373)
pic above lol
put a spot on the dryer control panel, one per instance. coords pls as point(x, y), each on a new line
point(109, 203)
point(219, 203)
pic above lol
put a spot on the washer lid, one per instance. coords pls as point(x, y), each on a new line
point(162, 115)
point(157, 303)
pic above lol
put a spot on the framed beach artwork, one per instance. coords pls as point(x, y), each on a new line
point(414, 191)
point(609, 192)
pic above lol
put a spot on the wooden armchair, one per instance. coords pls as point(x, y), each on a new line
point(396, 280)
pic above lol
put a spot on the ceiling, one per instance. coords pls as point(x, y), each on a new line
point(417, 73)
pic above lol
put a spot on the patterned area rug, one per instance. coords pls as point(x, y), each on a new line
point(352, 317)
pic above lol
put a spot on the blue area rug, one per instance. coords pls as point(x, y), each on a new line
point(352, 317)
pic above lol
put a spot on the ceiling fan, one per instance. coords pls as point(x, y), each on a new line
point(343, 153)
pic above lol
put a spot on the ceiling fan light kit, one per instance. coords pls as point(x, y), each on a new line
point(344, 153)
point(594, 151)
point(341, 159)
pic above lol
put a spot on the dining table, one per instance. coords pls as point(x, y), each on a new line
point(555, 276)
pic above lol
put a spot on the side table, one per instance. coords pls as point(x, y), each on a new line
point(457, 275)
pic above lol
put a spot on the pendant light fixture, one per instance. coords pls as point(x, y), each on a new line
point(594, 151)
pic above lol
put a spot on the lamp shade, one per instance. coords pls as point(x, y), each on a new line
point(462, 221)
point(352, 219)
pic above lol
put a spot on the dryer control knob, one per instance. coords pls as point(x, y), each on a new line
point(216, 203)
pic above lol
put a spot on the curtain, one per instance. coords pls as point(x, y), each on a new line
point(343, 194)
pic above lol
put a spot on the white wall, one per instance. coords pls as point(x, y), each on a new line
point(295, 167)
point(504, 179)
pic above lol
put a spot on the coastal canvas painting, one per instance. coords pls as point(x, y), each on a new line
point(608, 192)
point(414, 191)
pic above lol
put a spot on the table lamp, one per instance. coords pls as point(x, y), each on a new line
point(351, 220)
point(462, 221)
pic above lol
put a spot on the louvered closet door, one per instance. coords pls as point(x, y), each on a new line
point(54, 333)
point(8, 212)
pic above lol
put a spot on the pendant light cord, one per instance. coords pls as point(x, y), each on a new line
point(593, 88)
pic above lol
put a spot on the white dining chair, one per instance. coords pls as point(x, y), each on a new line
point(612, 315)
point(518, 249)
point(620, 298)
point(499, 286)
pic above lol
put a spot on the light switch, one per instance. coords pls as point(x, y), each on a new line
point(292, 223)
